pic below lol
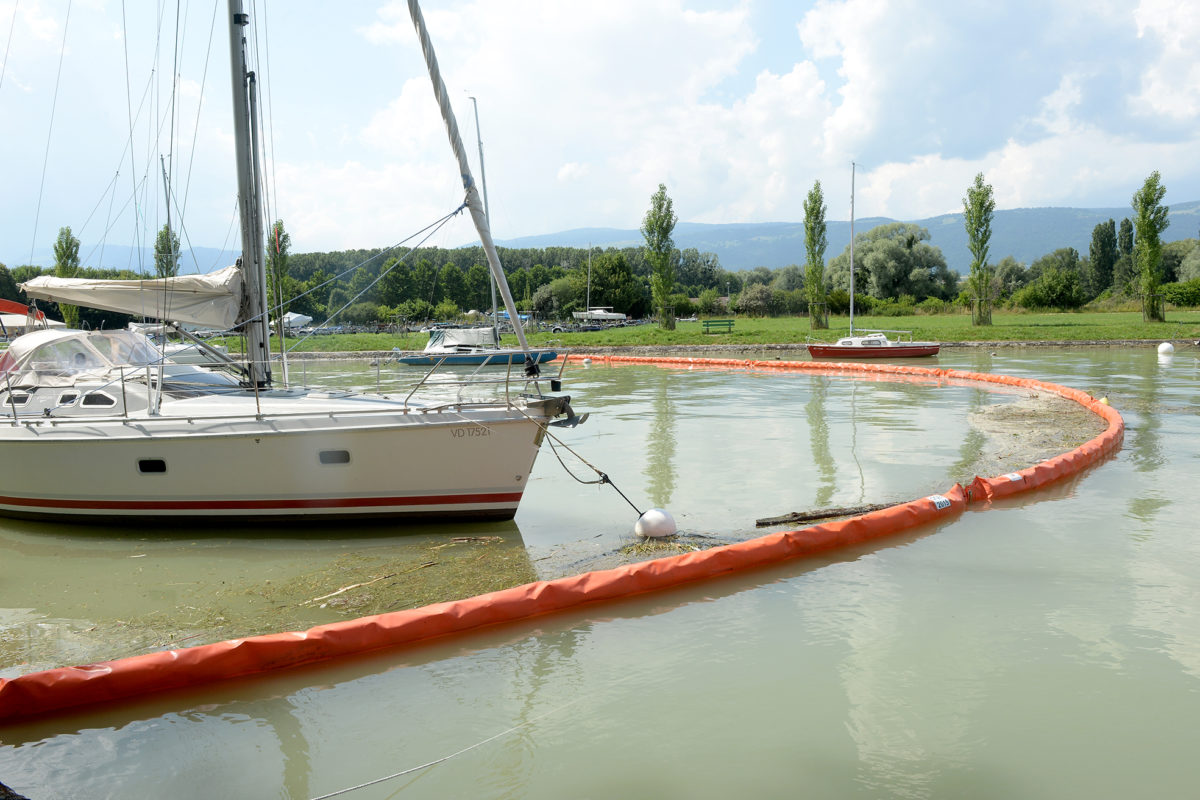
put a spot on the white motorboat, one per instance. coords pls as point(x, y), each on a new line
point(98, 425)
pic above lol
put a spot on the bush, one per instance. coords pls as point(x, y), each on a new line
point(683, 305)
point(1054, 288)
point(364, 313)
point(1182, 294)
point(447, 310)
point(709, 304)
point(416, 310)
point(792, 301)
point(902, 307)
point(755, 301)
point(933, 305)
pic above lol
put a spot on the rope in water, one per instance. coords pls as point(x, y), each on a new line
point(602, 476)
point(446, 758)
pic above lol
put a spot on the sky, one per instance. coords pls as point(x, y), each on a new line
point(585, 108)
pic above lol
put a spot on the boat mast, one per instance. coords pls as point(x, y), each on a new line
point(487, 212)
point(253, 314)
point(851, 248)
point(478, 215)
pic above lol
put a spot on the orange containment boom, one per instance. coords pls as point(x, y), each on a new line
point(113, 681)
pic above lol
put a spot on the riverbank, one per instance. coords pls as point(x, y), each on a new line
point(723, 350)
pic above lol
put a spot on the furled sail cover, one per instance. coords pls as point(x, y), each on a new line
point(211, 300)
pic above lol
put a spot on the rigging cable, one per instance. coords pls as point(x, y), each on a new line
point(196, 129)
point(270, 109)
point(432, 228)
point(8, 47)
point(129, 119)
point(53, 105)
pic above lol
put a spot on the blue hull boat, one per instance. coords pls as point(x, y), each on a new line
point(478, 358)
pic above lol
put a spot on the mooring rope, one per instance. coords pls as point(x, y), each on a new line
point(602, 477)
point(446, 758)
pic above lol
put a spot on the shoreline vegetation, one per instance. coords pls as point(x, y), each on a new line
point(1008, 329)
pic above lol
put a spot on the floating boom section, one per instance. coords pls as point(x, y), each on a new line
point(474, 203)
point(38, 693)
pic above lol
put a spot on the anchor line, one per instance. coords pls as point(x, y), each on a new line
point(602, 477)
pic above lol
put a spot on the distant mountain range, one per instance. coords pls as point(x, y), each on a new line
point(1024, 233)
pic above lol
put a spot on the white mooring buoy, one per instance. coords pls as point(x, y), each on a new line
point(1166, 348)
point(657, 523)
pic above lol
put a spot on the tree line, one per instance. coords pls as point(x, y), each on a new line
point(896, 271)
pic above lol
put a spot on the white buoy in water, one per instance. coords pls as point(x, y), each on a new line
point(657, 523)
point(1166, 348)
point(587, 362)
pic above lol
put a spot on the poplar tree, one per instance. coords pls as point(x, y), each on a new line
point(278, 245)
point(66, 265)
point(1150, 220)
point(978, 209)
point(1102, 257)
point(660, 250)
point(166, 253)
point(1123, 274)
point(815, 240)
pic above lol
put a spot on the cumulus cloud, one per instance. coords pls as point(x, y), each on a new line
point(573, 171)
point(738, 108)
point(1171, 85)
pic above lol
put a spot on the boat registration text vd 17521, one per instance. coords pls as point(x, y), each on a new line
point(470, 430)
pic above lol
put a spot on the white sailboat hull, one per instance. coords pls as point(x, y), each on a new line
point(451, 463)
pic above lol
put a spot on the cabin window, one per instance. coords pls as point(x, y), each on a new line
point(151, 466)
point(335, 456)
point(99, 400)
point(67, 398)
point(16, 399)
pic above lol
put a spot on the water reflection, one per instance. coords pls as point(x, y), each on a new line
point(660, 455)
point(954, 662)
point(818, 427)
point(1142, 432)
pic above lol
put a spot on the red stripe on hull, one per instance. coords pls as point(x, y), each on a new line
point(258, 505)
point(855, 353)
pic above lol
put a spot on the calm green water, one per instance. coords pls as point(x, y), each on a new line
point(1047, 647)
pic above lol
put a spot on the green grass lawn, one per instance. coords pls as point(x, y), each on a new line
point(751, 331)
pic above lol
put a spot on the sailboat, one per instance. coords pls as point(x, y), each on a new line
point(470, 347)
point(475, 346)
point(871, 343)
point(97, 425)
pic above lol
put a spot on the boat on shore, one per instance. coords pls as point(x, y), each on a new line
point(604, 316)
point(99, 426)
